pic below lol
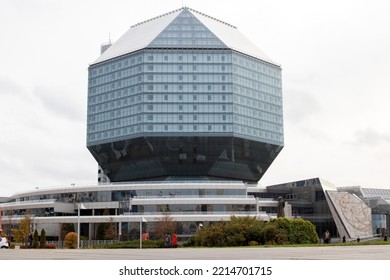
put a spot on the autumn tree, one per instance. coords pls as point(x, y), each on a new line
point(70, 240)
point(22, 232)
point(165, 225)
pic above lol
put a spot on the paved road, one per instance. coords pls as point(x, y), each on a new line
point(375, 252)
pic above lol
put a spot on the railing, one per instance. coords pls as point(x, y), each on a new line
point(41, 201)
point(191, 196)
point(230, 213)
point(84, 243)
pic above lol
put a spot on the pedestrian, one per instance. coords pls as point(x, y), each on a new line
point(30, 240)
point(167, 241)
point(174, 240)
point(385, 239)
point(344, 240)
point(358, 239)
point(326, 237)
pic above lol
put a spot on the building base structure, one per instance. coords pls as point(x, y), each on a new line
point(191, 204)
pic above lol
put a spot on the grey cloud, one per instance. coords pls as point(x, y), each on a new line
point(300, 105)
point(10, 88)
point(369, 137)
point(61, 103)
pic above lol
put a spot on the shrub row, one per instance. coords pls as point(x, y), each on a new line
point(244, 231)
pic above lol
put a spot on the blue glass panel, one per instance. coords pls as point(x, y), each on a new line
point(186, 31)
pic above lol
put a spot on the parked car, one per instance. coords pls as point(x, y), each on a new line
point(4, 244)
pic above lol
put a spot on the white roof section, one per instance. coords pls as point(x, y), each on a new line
point(230, 35)
point(141, 35)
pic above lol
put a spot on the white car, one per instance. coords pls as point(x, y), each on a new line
point(4, 244)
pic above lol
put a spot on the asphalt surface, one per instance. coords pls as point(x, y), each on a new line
point(374, 252)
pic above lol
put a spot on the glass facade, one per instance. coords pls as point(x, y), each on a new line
point(185, 105)
point(159, 93)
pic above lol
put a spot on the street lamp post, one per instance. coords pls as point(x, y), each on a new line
point(142, 220)
point(79, 206)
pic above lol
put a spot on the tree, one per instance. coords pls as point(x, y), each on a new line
point(65, 228)
point(22, 232)
point(43, 238)
point(110, 233)
point(70, 240)
point(165, 225)
point(36, 239)
point(102, 227)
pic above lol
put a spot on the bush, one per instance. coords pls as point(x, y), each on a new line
point(298, 231)
point(50, 246)
point(253, 243)
point(272, 235)
point(213, 235)
point(70, 240)
point(244, 231)
point(239, 231)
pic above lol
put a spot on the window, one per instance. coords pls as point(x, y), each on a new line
point(150, 96)
point(180, 97)
point(180, 117)
point(195, 117)
point(181, 107)
point(150, 107)
point(194, 97)
point(150, 117)
point(165, 127)
point(209, 127)
point(166, 97)
point(195, 107)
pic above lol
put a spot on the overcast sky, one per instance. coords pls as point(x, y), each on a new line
point(335, 57)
